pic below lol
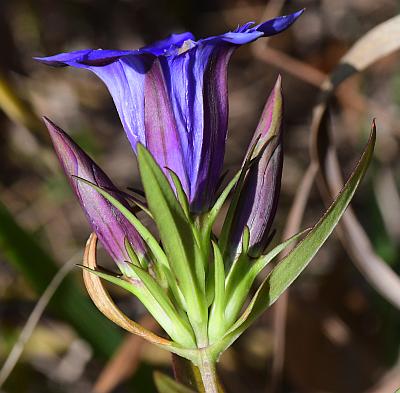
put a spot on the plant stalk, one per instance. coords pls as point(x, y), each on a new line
point(208, 372)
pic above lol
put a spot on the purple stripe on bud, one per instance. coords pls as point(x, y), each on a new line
point(259, 199)
point(105, 220)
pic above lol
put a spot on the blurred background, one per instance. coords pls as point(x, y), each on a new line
point(339, 334)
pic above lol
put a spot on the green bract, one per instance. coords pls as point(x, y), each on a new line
point(184, 281)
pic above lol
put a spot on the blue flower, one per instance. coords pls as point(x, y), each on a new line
point(172, 97)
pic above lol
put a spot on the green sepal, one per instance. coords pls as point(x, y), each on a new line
point(245, 240)
point(177, 236)
point(217, 315)
point(132, 254)
point(182, 329)
point(173, 287)
point(242, 275)
point(213, 213)
point(136, 287)
point(137, 202)
point(180, 193)
point(296, 261)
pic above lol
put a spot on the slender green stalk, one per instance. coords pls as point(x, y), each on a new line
point(208, 372)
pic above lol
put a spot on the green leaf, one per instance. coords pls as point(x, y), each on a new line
point(182, 330)
point(173, 286)
point(177, 237)
point(166, 384)
point(217, 316)
point(146, 298)
point(137, 202)
point(228, 222)
point(131, 252)
point(212, 215)
point(242, 275)
point(295, 262)
point(23, 251)
point(163, 265)
point(245, 240)
point(146, 235)
point(180, 193)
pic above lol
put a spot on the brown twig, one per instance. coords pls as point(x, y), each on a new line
point(388, 200)
point(289, 64)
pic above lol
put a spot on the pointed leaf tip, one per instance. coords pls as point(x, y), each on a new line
point(295, 262)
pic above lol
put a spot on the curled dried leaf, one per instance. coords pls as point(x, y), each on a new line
point(105, 304)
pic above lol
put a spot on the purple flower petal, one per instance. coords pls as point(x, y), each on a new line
point(109, 224)
point(179, 111)
point(200, 102)
point(163, 47)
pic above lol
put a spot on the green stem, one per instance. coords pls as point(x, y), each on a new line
point(208, 372)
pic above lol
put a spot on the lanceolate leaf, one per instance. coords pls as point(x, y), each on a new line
point(242, 276)
point(263, 260)
point(238, 183)
point(217, 318)
point(294, 263)
point(176, 235)
point(212, 215)
point(180, 193)
point(182, 328)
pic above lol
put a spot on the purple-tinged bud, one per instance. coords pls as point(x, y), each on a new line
point(111, 227)
point(259, 198)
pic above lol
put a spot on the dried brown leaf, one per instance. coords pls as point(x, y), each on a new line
point(106, 305)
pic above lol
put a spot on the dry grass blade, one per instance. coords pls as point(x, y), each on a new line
point(314, 77)
point(34, 318)
point(289, 64)
point(388, 199)
point(379, 42)
point(125, 361)
point(281, 60)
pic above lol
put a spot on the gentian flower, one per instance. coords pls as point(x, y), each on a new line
point(172, 100)
point(171, 97)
